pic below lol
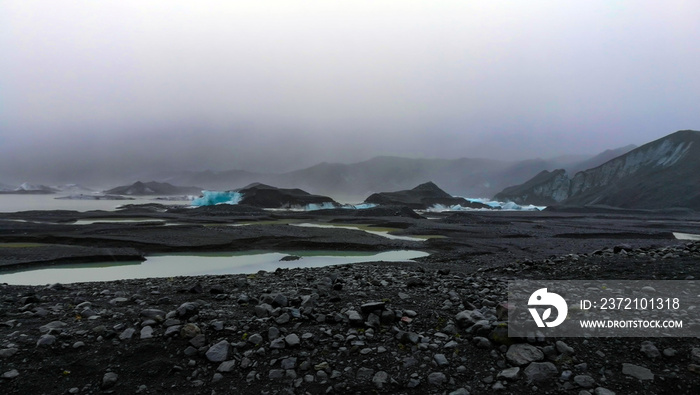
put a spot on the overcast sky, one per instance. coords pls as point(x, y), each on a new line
point(121, 86)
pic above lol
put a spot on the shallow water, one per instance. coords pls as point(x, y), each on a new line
point(189, 264)
point(384, 232)
point(10, 203)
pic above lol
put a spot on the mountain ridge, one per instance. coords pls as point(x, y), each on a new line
point(660, 174)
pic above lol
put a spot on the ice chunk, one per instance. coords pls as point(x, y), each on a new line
point(322, 206)
point(210, 198)
point(360, 206)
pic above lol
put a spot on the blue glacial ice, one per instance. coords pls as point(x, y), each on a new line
point(505, 206)
point(210, 198)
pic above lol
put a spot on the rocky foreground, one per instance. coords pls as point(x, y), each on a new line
point(412, 328)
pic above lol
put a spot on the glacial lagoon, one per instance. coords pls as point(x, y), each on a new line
point(191, 264)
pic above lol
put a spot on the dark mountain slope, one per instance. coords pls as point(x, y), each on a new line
point(265, 196)
point(661, 174)
point(153, 188)
point(421, 197)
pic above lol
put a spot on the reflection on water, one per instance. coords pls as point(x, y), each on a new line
point(686, 236)
point(188, 264)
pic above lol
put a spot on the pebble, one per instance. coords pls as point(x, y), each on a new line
point(509, 374)
point(638, 372)
point(649, 349)
point(218, 352)
point(540, 371)
point(46, 340)
point(437, 378)
point(146, 332)
point(522, 353)
point(584, 381)
point(109, 380)
point(10, 374)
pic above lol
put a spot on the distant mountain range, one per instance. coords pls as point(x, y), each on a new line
point(661, 174)
point(353, 182)
point(153, 188)
point(27, 188)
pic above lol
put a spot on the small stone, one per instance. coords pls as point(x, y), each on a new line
point(218, 352)
point(226, 366)
point(198, 341)
point(450, 344)
point(109, 380)
point(119, 301)
point(55, 325)
point(189, 331)
point(283, 319)
point(441, 360)
point(540, 371)
point(380, 379)
point(509, 374)
point(637, 372)
point(46, 340)
point(482, 342)
point(649, 349)
point(172, 331)
point(278, 344)
point(11, 374)
point(522, 353)
point(78, 344)
point(603, 391)
point(154, 314)
point(460, 391)
point(289, 363)
point(584, 381)
point(670, 352)
point(255, 338)
point(187, 309)
point(127, 334)
point(468, 318)
point(146, 332)
point(292, 340)
point(437, 378)
point(354, 317)
point(276, 374)
point(564, 348)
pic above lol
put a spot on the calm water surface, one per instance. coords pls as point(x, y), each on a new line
point(13, 203)
point(188, 264)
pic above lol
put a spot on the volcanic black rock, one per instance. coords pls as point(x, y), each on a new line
point(421, 197)
point(265, 196)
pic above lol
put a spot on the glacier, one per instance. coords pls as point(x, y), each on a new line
point(210, 198)
point(495, 205)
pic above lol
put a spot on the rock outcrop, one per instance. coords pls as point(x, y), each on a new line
point(421, 197)
point(660, 174)
point(266, 196)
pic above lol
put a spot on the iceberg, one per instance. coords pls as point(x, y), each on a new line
point(493, 204)
point(210, 198)
point(322, 206)
point(361, 206)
